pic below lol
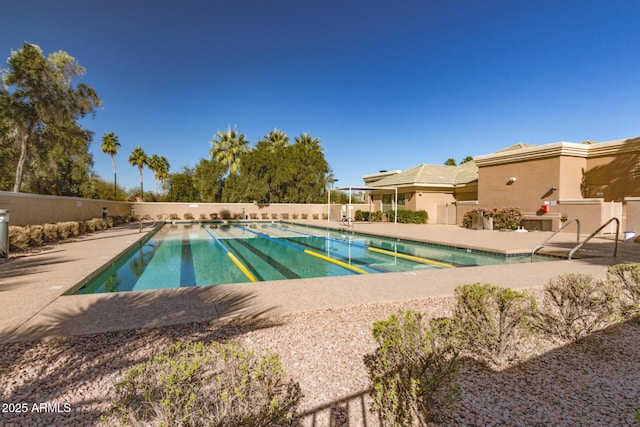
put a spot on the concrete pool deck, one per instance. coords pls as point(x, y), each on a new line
point(34, 305)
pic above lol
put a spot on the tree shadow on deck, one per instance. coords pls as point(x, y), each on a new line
point(65, 369)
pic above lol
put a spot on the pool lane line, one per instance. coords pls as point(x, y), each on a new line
point(413, 258)
point(410, 257)
point(307, 251)
point(187, 270)
point(279, 267)
point(233, 258)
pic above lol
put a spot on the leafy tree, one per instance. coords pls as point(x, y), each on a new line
point(110, 147)
point(451, 162)
point(98, 188)
point(40, 103)
point(208, 180)
point(227, 147)
point(139, 158)
point(182, 188)
point(466, 159)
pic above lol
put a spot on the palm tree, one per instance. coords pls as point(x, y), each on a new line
point(451, 162)
point(110, 146)
point(163, 172)
point(154, 165)
point(228, 146)
point(307, 141)
point(276, 139)
point(139, 158)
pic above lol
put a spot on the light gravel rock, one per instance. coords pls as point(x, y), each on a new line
point(594, 382)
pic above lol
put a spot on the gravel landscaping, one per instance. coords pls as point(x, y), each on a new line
point(595, 382)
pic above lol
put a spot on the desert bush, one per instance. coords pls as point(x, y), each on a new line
point(213, 216)
point(82, 227)
point(304, 215)
point(626, 278)
point(97, 223)
point(188, 215)
point(214, 384)
point(36, 235)
point(505, 218)
point(413, 370)
point(574, 305)
point(18, 238)
point(494, 321)
point(253, 215)
point(174, 216)
point(315, 216)
point(203, 216)
point(64, 230)
point(274, 216)
point(50, 232)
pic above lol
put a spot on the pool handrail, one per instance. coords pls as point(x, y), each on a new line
point(581, 244)
point(541, 244)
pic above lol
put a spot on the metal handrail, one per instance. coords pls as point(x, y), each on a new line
point(541, 244)
point(147, 217)
point(581, 244)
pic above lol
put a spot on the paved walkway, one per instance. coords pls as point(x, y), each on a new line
point(32, 287)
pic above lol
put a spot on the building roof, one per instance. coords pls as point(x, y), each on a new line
point(431, 175)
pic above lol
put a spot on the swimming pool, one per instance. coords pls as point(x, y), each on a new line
point(184, 255)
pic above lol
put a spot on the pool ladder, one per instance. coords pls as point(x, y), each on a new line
point(580, 244)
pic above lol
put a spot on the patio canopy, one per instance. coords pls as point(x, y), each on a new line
point(367, 188)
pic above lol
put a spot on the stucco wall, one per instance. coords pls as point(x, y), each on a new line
point(153, 209)
point(25, 209)
point(610, 177)
point(534, 180)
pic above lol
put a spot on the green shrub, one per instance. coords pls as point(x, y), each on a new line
point(376, 216)
point(361, 215)
point(188, 215)
point(494, 321)
point(626, 278)
point(409, 217)
point(413, 370)
point(575, 305)
point(213, 216)
point(216, 384)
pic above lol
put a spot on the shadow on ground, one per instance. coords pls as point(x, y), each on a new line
point(81, 370)
point(592, 382)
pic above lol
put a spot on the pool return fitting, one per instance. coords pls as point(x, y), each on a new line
point(233, 258)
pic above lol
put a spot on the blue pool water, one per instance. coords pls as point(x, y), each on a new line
point(185, 255)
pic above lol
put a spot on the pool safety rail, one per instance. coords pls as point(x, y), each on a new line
point(306, 251)
point(233, 258)
point(413, 258)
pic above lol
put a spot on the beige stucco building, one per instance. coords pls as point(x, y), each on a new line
point(592, 181)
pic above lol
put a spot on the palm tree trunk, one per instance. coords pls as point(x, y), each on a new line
point(141, 186)
point(115, 185)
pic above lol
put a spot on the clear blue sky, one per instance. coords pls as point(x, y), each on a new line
point(383, 84)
